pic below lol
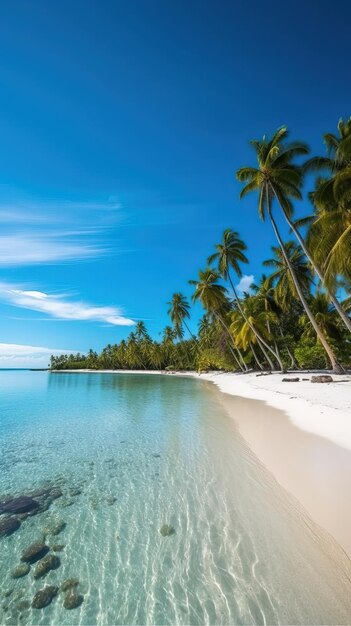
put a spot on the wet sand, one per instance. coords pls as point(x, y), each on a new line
point(313, 469)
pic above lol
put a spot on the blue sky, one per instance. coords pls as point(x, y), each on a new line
point(122, 124)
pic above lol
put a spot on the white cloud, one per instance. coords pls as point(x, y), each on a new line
point(30, 249)
point(14, 351)
point(245, 283)
point(54, 231)
point(59, 307)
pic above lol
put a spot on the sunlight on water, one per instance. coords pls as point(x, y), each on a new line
point(132, 454)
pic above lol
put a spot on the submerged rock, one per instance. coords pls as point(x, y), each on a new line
point(23, 504)
point(35, 552)
point(75, 492)
point(166, 530)
point(111, 500)
point(58, 547)
point(72, 600)
point(22, 605)
point(9, 525)
point(44, 597)
point(20, 570)
point(49, 562)
point(70, 583)
point(56, 528)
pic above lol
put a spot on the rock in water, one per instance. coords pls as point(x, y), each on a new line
point(23, 504)
point(323, 378)
point(166, 530)
point(35, 552)
point(44, 597)
point(49, 562)
point(20, 570)
point(56, 529)
point(9, 525)
point(69, 584)
point(72, 600)
point(58, 547)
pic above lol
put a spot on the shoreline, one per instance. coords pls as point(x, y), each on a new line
point(301, 432)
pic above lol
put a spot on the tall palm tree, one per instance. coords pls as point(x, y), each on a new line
point(281, 278)
point(229, 254)
point(277, 178)
point(179, 312)
point(330, 229)
point(213, 297)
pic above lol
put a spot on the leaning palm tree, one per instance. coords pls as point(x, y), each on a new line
point(277, 178)
point(281, 278)
point(229, 254)
point(330, 228)
point(213, 297)
point(179, 312)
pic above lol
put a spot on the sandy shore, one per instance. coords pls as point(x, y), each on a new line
point(302, 433)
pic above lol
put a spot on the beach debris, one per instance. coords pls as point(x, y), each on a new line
point(264, 374)
point(44, 597)
point(166, 530)
point(48, 563)
point(8, 526)
point(23, 504)
point(20, 570)
point(58, 547)
point(290, 380)
point(34, 552)
point(323, 378)
point(72, 600)
point(56, 529)
point(69, 583)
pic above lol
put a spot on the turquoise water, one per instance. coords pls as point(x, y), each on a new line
point(146, 451)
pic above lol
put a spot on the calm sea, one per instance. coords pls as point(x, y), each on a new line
point(132, 453)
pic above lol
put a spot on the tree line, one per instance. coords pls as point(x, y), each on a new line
point(293, 317)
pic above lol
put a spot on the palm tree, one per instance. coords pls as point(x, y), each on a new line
point(277, 178)
point(281, 278)
point(179, 312)
point(213, 297)
point(325, 315)
point(229, 254)
point(330, 229)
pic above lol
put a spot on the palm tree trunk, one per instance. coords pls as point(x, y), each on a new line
point(266, 355)
point(256, 333)
point(337, 368)
point(292, 358)
point(189, 331)
point(345, 318)
point(256, 357)
point(244, 366)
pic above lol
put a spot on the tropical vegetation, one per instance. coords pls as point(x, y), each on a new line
point(296, 316)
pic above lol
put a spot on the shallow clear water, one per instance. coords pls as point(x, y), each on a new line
point(243, 552)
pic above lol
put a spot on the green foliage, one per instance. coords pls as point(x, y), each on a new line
point(211, 359)
point(310, 356)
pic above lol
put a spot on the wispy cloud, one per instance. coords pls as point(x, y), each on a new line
point(245, 283)
point(48, 247)
point(15, 351)
point(55, 232)
point(60, 307)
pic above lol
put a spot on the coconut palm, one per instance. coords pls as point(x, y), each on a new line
point(229, 254)
point(179, 312)
point(213, 297)
point(330, 228)
point(281, 278)
point(325, 314)
point(278, 178)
